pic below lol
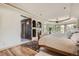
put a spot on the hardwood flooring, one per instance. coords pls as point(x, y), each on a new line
point(18, 51)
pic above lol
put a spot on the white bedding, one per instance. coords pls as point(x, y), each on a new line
point(60, 43)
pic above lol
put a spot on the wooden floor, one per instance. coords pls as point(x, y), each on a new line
point(24, 50)
point(18, 51)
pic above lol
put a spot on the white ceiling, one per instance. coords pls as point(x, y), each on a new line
point(51, 10)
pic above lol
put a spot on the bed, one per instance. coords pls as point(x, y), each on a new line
point(59, 44)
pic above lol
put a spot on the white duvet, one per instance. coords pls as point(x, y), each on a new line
point(60, 43)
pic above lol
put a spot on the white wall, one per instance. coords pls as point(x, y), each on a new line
point(10, 27)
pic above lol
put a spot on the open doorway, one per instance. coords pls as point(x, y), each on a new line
point(26, 29)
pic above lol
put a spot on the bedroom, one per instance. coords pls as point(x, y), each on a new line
point(39, 29)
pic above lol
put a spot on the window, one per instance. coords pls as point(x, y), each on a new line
point(70, 27)
point(54, 28)
point(39, 24)
point(34, 23)
point(62, 28)
point(34, 32)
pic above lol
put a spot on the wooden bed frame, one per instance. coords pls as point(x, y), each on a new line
point(58, 51)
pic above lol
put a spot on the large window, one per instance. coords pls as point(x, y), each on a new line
point(60, 28)
point(71, 27)
point(53, 28)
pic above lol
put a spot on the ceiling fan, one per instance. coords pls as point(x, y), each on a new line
point(57, 21)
